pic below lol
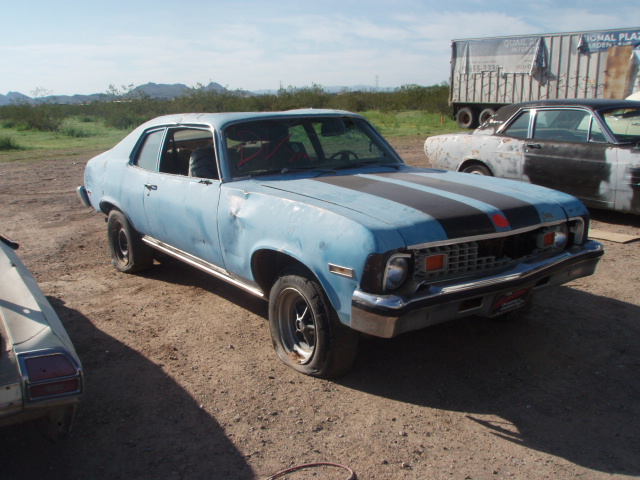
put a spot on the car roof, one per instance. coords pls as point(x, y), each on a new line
point(506, 112)
point(219, 120)
point(593, 103)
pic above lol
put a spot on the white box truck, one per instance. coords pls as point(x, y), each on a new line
point(487, 73)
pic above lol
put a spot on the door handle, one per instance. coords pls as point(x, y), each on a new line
point(148, 186)
point(534, 145)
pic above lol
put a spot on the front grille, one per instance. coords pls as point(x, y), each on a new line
point(475, 256)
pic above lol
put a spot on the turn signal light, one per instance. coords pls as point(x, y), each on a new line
point(435, 263)
point(556, 236)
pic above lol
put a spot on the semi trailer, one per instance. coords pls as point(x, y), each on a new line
point(487, 73)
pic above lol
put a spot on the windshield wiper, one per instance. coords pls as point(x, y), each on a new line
point(264, 172)
point(307, 169)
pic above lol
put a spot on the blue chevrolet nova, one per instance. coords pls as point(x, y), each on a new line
point(315, 212)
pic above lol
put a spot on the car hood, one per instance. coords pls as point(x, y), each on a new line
point(434, 205)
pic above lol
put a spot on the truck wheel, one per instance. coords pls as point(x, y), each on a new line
point(486, 114)
point(476, 169)
point(466, 118)
point(128, 252)
point(305, 330)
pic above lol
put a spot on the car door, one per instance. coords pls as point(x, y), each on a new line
point(568, 152)
point(508, 156)
point(133, 185)
point(181, 207)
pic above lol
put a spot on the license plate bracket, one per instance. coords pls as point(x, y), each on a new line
point(510, 300)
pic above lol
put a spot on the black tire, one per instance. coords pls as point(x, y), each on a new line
point(467, 118)
point(57, 424)
point(305, 329)
point(129, 254)
point(477, 169)
point(485, 115)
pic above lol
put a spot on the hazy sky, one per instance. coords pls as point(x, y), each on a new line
point(68, 46)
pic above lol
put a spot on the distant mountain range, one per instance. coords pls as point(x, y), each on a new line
point(152, 90)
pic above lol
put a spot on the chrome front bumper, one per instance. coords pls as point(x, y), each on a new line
point(83, 195)
point(390, 315)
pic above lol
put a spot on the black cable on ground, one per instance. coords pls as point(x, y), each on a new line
point(352, 474)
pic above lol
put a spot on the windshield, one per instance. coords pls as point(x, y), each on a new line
point(624, 123)
point(289, 145)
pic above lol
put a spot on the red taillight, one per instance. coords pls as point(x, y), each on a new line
point(47, 367)
point(54, 388)
point(51, 375)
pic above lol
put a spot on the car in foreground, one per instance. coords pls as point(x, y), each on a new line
point(588, 148)
point(315, 212)
point(40, 373)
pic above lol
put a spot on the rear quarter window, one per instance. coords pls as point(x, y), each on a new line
point(147, 156)
point(519, 128)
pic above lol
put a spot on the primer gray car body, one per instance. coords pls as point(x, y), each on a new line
point(587, 148)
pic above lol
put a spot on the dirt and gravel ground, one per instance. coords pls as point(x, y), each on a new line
point(182, 381)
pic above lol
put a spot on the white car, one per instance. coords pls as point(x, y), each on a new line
point(589, 148)
point(40, 373)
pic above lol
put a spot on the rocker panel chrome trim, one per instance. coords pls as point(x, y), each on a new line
point(200, 264)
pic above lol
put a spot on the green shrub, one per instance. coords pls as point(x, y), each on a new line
point(7, 143)
point(122, 110)
point(75, 132)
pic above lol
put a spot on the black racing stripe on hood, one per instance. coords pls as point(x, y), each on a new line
point(456, 218)
point(520, 214)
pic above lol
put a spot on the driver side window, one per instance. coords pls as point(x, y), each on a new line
point(189, 152)
point(562, 125)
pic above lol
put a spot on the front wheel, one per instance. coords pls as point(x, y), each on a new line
point(305, 330)
point(477, 169)
point(128, 252)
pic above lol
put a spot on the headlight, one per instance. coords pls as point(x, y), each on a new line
point(396, 271)
point(577, 230)
point(556, 236)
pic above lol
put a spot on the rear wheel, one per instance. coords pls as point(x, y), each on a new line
point(485, 115)
point(476, 169)
point(128, 252)
point(305, 330)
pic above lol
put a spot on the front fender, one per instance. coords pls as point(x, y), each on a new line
point(316, 237)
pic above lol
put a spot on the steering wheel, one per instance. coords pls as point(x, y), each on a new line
point(344, 155)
